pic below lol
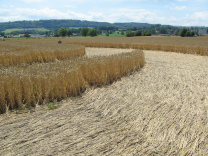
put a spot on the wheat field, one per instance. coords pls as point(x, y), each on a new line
point(189, 45)
point(192, 45)
point(33, 73)
point(160, 109)
point(24, 53)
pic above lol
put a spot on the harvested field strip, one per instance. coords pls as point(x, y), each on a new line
point(44, 82)
point(91, 52)
point(22, 53)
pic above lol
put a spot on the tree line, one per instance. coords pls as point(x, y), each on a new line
point(84, 32)
point(186, 33)
point(129, 33)
point(107, 30)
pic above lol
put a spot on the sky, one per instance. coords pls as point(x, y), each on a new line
point(169, 12)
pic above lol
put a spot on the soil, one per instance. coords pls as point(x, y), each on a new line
point(160, 110)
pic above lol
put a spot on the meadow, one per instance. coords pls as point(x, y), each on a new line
point(8, 31)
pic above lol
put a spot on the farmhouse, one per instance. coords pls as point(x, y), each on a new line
point(74, 34)
point(37, 36)
point(16, 36)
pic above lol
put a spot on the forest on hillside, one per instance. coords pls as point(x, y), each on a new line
point(54, 24)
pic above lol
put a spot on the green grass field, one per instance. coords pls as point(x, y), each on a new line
point(116, 35)
point(8, 31)
point(111, 35)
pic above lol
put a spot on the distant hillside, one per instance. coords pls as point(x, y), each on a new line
point(53, 24)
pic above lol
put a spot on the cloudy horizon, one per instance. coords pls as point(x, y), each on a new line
point(168, 12)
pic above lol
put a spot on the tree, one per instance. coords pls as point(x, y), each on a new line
point(157, 25)
point(153, 31)
point(56, 32)
point(107, 34)
point(62, 31)
point(69, 33)
point(163, 30)
point(2, 33)
point(48, 33)
point(138, 33)
point(192, 33)
point(147, 33)
point(183, 32)
point(129, 33)
point(93, 32)
point(186, 33)
point(26, 35)
point(84, 32)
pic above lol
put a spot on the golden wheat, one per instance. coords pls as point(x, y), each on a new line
point(22, 53)
point(38, 83)
point(190, 45)
point(30, 81)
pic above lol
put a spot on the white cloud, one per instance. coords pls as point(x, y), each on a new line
point(106, 15)
point(126, 15)
point(111, 15)
point(35, 14)
point(12, 18)
point(201, 15)
point(46, 12)
point(180, 7)
point(195, 19)
point(173, 6)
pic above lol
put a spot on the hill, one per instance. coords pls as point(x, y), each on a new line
point(53, 24)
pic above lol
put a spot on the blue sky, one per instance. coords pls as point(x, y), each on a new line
point(172, 12)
